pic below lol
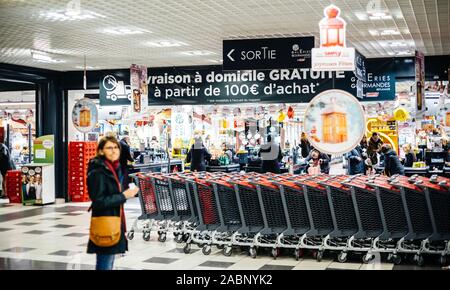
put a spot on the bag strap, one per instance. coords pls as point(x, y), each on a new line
point(121, 208)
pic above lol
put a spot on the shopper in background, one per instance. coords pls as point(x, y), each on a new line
point(228, 152)
point(410, 156)
point(364, 144)
point(318, 162)
point(108, 197)
point(125, 158)
point(304, 145)
point(374, 147)
point(198, 155)
point(154, 143)
point(271, 156)
point(6, 164)
point(355, 161)
point(392, 164)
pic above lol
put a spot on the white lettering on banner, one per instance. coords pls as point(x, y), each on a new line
point(235, 77)
point(263, 54)
point(245, 84)
point(333, 58)
point(301, 74)
point(169, 79)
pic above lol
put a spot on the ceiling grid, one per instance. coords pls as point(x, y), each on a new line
point(199, 26)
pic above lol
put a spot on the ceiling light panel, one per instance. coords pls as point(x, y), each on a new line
point(202, 25)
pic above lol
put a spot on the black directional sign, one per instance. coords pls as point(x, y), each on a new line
point(267, 53)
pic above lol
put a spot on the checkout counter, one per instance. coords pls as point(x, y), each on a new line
point(158, 166)
point(155, 161)
point(224, 168)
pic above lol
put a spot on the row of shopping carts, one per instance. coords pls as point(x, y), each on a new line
point(397, 216)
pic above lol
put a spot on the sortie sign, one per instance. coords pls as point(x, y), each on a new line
point(267, 53)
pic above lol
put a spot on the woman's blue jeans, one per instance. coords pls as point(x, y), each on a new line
point(105, 262)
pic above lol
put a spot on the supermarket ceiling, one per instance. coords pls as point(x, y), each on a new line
point(116, 33)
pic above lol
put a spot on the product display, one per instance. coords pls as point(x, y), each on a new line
point(80, 153)
point(38, 184)
point(14, 186)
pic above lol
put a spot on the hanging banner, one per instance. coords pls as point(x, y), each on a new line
point(267, 53)
point(211, 85)
point(420, 81)
point(360, 66)
point(380, 84)
point(114, 91)
point(333, 54)
point(84, 115)
point(334, 122)
point(139, 88)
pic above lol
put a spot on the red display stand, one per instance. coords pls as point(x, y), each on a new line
point(14, 186)
point(80, 153)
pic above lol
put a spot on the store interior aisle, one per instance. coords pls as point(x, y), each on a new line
point(55, 237)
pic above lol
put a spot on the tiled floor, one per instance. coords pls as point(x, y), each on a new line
point(55, 237)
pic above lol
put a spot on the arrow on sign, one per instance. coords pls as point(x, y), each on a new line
point(229, 54)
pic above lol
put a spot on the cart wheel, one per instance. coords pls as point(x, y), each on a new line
point(342, 257)
point(367, 258)
point(443, 260)
point(419, 260)
point(206, 250)
point(162, 238)
point(227, 251)
point(146, 236)
point(130, 235)
point(275, 253)
point(178, 239)
point(319, 256)
point(396, 259)
point(252, 251)
point(298, 253)
point(187, 248)
point(160, 233)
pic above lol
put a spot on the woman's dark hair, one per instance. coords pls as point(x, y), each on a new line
point(385, 148)
point(374, 134)
point(104, 140)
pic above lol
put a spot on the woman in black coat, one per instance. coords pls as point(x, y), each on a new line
point(410, 157)
point(271, 156)
point(304, 145)
point(108, 197)
point(198, 155)
point(392, 164)
point(319, 159)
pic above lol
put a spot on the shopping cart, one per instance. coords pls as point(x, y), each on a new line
point(184, 200)
point(273, 214)
point(371, 224)
point(319, 211)
point(297, 215)
point(208, 215)
point(250, 210)
point(437, 194)
point(343, 216)
point(148, 204)
point(418, 217)
point(229, 214)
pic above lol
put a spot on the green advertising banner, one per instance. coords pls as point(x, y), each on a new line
point(44, 149)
